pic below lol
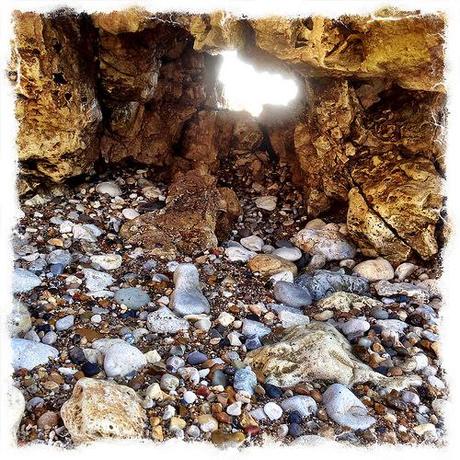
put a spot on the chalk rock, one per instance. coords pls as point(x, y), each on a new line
point(100, 409)
point(316, 352)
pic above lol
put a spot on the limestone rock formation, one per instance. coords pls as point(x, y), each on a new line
point(100, 409)
point(55, 78)
point(188, 222)
point(408, 199)
point(316, 352)
point(136, 85)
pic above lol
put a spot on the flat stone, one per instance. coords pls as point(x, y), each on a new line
point(254, 328)
point(304, 405)
point(245, 380)
point(345, 301)
point(101, 409)
point(133, 298)
point(122, 359)
point(375, 269)
point(346, 409)
point(24, 280)
point(29, 354)
point(323, 283)
point(268, 202)
point(327, 242)
point(237, 253)
point(129, 213)
point(60, 256)
point(187, 298)
point(387, 289)
point(292, 294)
point(86, 232)
point(253, 243)
point(268, 265)
point(164, 321)
point(96, 280)
point(289, 319)
point(292, 254)
point(62, 324)
point(107, 261)
point(108, 188)
point(394, 325)
point(16, 408)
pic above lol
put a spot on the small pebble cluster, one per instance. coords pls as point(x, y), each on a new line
point(172, 340)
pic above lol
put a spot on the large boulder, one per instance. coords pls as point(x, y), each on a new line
point(100, 409)
point(189, 222)
point(316, 352)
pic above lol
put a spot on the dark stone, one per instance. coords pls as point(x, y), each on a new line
point(76, 355)
point(295, 430)
point(295, 417)
point(273, 391)
point(90, 369)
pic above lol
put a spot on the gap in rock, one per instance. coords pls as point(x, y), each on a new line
point(247, 89)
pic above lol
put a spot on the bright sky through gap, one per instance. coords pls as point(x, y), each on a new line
point(247, 89)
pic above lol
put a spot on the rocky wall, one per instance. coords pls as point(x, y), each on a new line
point(366, 132)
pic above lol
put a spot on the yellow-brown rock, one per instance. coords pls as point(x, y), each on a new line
point(406, 194)
point(189, 221)
point(57, 109)
point(100, 409)
point(267, 265)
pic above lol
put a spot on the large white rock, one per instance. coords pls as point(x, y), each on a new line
point(327, 242)
point(29, 354)
point(345, 408)
point(316, 352)
point(100, 409)
point(375, 269)
point(108, 188)
point(122, 359)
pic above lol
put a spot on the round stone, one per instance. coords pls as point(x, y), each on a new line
point(129, 213)
point(169, 382)
point(189, 397)
point(237, 253)
point(109, 188)
point(291, 294)
point(375, 269)
point(273, 411)
point(90, 369)
point(132, 297)
point(355, 326)
point(122, 359)
point(293, 254)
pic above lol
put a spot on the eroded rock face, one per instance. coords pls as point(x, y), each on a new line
point(188, 222)
point(408, 200)
point(316, 352)
point(101, 409)
point(57, 109)
point(366, 131)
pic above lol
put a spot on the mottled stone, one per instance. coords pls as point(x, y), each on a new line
point(100, 409)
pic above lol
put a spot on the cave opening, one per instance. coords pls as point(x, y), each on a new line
point(247, 89)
